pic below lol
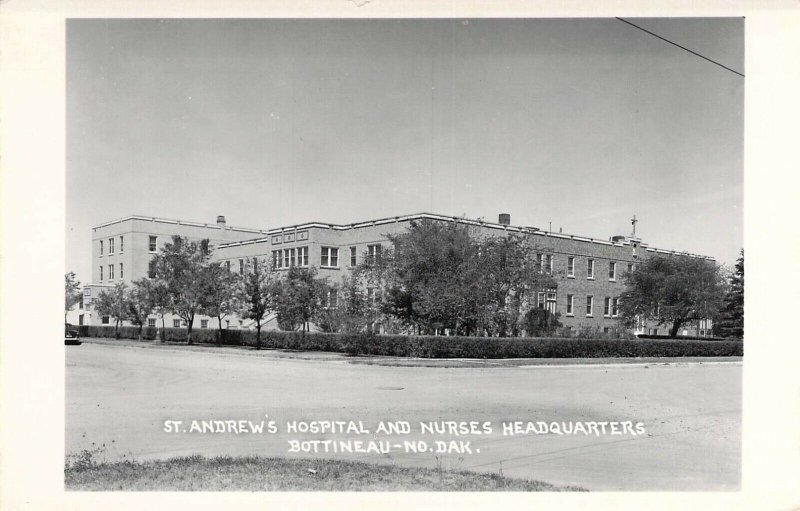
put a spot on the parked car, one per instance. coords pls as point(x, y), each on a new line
point(71, 335)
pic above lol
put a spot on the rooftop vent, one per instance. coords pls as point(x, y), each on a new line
point(617, 239)
point(221, 220)
point(504, 219)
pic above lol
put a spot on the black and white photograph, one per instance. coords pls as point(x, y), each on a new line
point(402, 255)
point(479, 254)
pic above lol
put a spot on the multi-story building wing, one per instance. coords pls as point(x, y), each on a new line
point(122, 249)
point(589, 271)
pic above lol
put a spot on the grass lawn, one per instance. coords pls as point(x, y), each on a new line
point(280, 474)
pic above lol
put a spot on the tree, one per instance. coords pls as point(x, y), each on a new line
point(219, 294)
point(541, 322)
point(255, 293)
point(140, 303)
point(113, 303)
point(672, 289)
point(182, 267)
point(731, 322)
point(439, 275)
point(504, 283)
point(160, 301)
point(298, 297)
point(350, 313)
point(422, 276)
point(72, 292)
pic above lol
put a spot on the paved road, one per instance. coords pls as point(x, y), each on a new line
point(121, 396)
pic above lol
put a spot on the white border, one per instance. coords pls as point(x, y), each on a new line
point(32, 109)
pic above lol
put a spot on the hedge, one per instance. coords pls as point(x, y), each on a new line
point(689, 337)
point(444, 347)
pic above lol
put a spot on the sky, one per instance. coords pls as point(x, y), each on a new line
point(574, 123)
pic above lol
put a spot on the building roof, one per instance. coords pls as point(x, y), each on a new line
point(461, 220)
point(179, 222)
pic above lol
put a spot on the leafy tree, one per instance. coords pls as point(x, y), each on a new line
point(114, 304)
point(219, 294)
point(422, 276)
point(672, 289)
point(182, 267)
point(255, 293)
point(440, 275)
point(541, 322)
point(72, 292)
point(140, 303)
point(505, 281)
point(298, 297)
point(350, 315)
point(731, 322)
point(160, 301)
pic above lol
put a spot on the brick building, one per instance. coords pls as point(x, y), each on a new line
point(589, 270)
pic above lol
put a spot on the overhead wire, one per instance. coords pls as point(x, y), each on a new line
point(681, 47)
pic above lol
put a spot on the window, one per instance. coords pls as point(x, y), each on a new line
point(227, 323)
point(302, 256)
point(605, 330)
point(203, 323)
point(151, 322)
point(590, 269)
point(121, 244)
point(110, 245)
point(615, 307)
point(104, 320)
point(546, 300)
point(101, 247)
point(540, 259)
point(570, 266)
point(373, 254)
point(331, 299)
point(352, 256)
point(101, 273)
point(176, 323)
point(121, 271)
point(630, 267)
point(241, 266)
point(549, 263)
point(228, 266)
point(551, 301)
point(152, 244)
point(151, 269)
point(612, 271)
point(607, 307)
point(570, 300)
point(277, 259)
point(589, 305)
point(289, 257)
point(330, 257)
point(110, 272)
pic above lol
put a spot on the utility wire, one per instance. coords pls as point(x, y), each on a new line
point(681, 47)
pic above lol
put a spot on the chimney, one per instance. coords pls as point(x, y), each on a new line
point(504, 219)
point(221, 221)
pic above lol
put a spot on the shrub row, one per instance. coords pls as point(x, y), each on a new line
point(445, 347)
point(689, 337)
